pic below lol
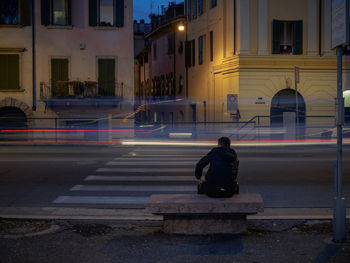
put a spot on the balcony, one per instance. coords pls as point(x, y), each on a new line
point(80, 93)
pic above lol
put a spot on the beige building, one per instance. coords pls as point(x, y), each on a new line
point(243, 57)
point(84, 59)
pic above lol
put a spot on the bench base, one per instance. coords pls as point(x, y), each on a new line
point(205, 224)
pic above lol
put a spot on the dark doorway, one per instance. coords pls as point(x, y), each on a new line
point(12, 117)
point(285, 101)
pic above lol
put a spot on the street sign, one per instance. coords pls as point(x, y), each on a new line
point(232, 102)
point(340, 23)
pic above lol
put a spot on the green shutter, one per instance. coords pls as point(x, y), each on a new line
point(9, 73)
point(92, 12)
point(69, 12)
point(298, 37)
point(13, 65)
point(106, 77)
point(25, 12)
point(119, 13)
point(59, 75)
point(4, 81)
point(276, 37)
point(46, 11)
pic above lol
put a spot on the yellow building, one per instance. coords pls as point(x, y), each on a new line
point(244, 54)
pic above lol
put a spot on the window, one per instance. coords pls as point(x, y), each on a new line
point(194, 14)
point(189, 9)
point(200, 50)
point(193, 52)
point(188, 56)
point(9, 73)
point(56, 12)
point(211, 45)
point(106, 76)
point(59, 12)
point(200, 7)
point(213, 3)
point(106, 13)
point(171, 39)
point(15, 12)
point(59, 77)
point(287, 37)
point(154, 51)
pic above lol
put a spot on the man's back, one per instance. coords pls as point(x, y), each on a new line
point(223, 168)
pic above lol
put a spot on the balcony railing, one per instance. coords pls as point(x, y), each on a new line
point(80, 89)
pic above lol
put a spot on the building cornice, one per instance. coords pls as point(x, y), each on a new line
point(165, 26)
point(279, 63)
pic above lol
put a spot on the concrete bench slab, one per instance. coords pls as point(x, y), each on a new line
point(199, 214)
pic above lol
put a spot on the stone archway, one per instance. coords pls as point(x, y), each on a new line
point(13, 103)
point(285, 101)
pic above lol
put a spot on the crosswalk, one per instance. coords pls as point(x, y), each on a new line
point(128, 181)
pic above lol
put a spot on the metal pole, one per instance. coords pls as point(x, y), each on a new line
point(34, 54)
point(296, 102)
point(339, 217)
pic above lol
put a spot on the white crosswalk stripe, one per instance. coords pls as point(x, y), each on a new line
point(144, 178)
point(143, 170)
point(136, 188)
point(145, 163)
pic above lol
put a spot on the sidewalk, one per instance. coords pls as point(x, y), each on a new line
point(130, 241)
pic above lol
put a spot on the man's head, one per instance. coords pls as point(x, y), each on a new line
point(224, 142)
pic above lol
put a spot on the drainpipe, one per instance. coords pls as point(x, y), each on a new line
point(34, 55)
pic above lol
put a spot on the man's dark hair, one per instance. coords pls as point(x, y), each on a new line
point(224, 141)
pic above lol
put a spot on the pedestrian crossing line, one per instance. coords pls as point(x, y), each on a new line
point(145, 170)
point(135, 188)
point(160, 158)
point(153, 178)
point(161, 155)
point(143, 163)
point(171, 150)
point(109, 200)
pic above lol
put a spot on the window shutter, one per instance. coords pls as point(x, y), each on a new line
point(92, 12)
point(188, 54)
point(276, 37)
point(298, 37)
point(193, 52)
point(119, 13)
point(26, 12)
point(69, 12)
point(46, 12)
point(13, 65)
point(4, 82)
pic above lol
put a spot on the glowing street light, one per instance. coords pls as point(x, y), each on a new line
point(181, 28)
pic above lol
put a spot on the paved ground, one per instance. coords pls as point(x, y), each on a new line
point(124, 177)
point(143, 241)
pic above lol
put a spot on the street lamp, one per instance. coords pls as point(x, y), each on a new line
point(181, 28)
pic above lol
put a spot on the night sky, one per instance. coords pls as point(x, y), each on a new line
point(142, 8)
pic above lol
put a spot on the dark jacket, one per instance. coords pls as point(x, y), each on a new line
point(223, 167)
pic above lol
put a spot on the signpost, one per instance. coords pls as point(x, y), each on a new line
point(340, 38)
point(296, 82)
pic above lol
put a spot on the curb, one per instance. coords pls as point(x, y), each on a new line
point(64, 213)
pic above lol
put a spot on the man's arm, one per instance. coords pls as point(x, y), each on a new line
point(201, 164)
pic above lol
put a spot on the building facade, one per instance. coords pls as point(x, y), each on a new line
point(162, 72)
point(84, 58)
point(244, 54)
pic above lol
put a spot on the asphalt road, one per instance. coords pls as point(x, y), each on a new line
point(124, 177)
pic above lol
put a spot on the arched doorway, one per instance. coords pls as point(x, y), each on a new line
point(346, 96)
point(12, 117)
point(285, 101)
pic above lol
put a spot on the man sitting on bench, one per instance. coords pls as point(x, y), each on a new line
point(221, 178)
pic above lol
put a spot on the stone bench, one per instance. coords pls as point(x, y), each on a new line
point(199, 214)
